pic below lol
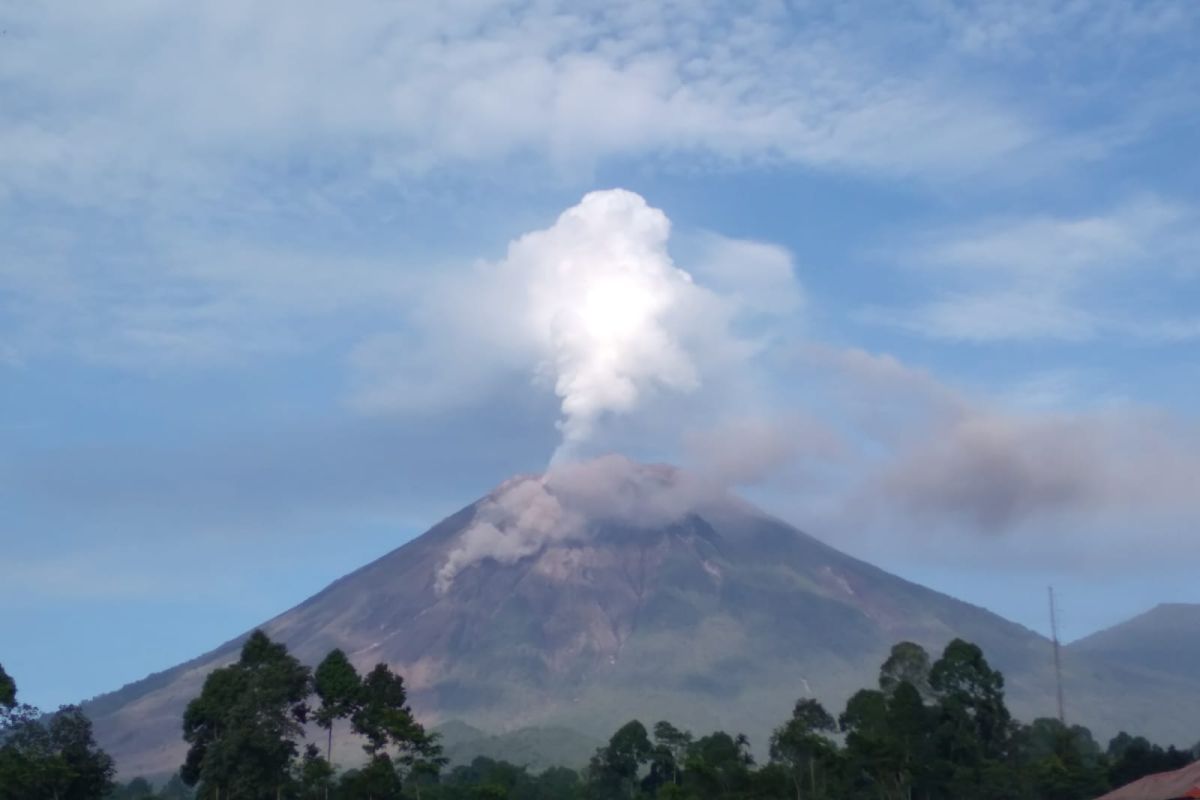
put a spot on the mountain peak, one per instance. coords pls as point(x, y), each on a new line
point(572, 502)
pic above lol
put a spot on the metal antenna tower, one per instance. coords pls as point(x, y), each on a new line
point(1062, 716)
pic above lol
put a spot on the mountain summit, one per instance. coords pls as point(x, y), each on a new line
point(607, 590)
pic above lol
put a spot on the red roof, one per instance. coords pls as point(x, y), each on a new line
point(1161, 786)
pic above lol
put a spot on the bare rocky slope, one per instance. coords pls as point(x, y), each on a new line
point(622, 591)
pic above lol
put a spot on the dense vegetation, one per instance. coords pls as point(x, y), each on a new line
point(55, 759)
point(931, 730)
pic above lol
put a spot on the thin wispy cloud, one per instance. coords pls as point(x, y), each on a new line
point(146, 102)
point(1052, 277)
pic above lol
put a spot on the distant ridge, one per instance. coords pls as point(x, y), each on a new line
point(1165, 639)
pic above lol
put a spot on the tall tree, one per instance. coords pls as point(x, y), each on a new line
point(972, 693)
point(670, 748)
point(801, 744)
point(338, 685)
point(394, 738)
point(314, 775)
point(907, 663)
point(614, 769)
point(1059, 762)
point(974, 728)
point(887, 739)
point(8, 689)
point(244, 727)
point(719, 765)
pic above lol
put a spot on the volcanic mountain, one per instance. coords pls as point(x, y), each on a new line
point(611, 590)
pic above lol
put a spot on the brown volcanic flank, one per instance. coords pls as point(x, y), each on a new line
point(618, 590)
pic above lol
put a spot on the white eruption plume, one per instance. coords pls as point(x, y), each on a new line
point(606, 309)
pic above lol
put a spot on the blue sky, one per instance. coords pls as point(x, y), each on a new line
point(261, 313)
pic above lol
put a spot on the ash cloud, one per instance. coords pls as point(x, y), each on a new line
point(993, 473)
point(931, 457)
point(562, 507)
point(517, 521)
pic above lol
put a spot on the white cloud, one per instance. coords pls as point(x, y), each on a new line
point(1030, 315)
point(759, 276)
point(170, 300)
point(1056, 278)
point(137, 100)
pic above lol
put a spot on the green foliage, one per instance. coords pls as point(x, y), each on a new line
point(381, 715)
point(907, 663)
point(718, 765)
point(802, 747)
point(1059, 762)
point(58, 760)
point(244, 726)
point(175, 789)
point(973, 728)
point(8, 690)
point(377, 780)
point(671, 747)
point(314, 775)
point(339, 687)
point(888, 743)
point(136, 789)
point(1131, 757)
point(614, 770)
point(937, 731)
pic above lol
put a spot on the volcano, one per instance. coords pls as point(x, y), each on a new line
point(610, 590)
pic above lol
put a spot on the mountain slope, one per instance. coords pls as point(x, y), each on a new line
point(612, 590)
point(1165, 639)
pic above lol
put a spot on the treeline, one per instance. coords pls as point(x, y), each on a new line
point(930, 730)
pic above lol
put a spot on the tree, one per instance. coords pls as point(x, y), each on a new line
point(1132, 757)
point(314, 774)
point(58, 760)
point(800, 744)
point(870, 744)
point(136, 789)
point(8, 690)
point(718, 765)
point(974, 727)
point(974, 692)
point(174, 789)
point(907, 663)
point(1060, 763)
point(383, 717)
point(338, 686)
point(670, 748)
point(887, 737)
point(613, 772)
point(377, 780)
point(244, 726)
point(556, 783)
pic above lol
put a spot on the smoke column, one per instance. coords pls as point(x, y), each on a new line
point(606, 309)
